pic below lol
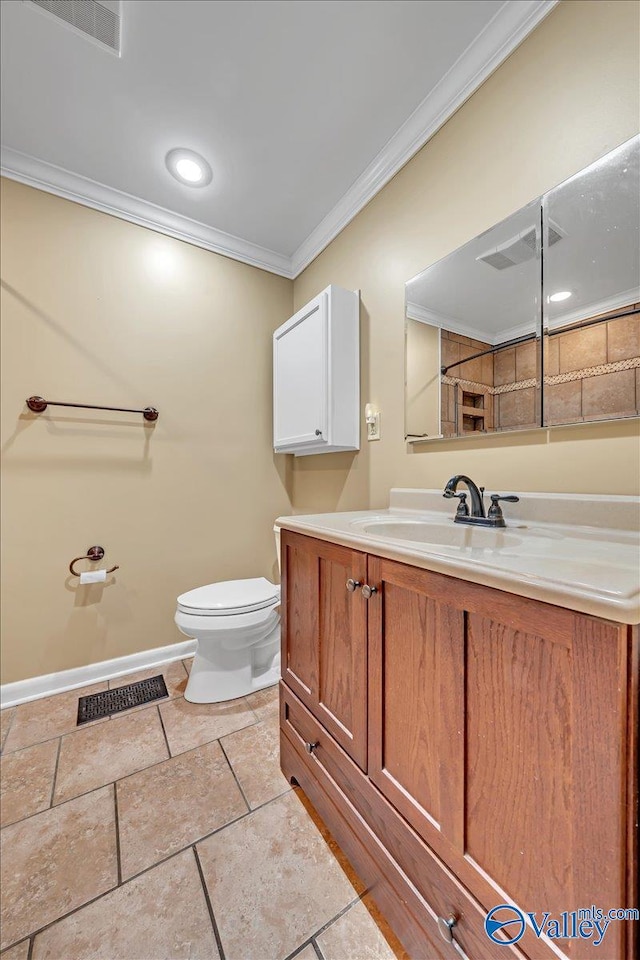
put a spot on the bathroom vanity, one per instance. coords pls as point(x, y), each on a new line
point(461, 707)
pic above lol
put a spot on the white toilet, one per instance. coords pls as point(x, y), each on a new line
point(237, 626)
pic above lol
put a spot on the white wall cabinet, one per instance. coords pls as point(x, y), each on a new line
point(316, 376)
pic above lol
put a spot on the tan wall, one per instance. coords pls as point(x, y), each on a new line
point(565, 97)
point(98, 310)
point(422, 378)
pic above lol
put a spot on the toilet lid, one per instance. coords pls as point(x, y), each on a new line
point(230, 596)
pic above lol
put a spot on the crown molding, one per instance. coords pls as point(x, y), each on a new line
point(626, 298)
point(587, 311)
point(504, 32)
point(71, 186)
point(422, 314)
point(416, 311)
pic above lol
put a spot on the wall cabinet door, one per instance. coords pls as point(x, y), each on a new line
point(496, 728)
point(300, 378)
point(324, 636)
point(316, 376)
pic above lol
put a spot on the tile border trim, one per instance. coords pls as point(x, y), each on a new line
point(35, 688)
point(585, 373)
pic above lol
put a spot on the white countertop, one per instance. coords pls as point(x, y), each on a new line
point(579, 552)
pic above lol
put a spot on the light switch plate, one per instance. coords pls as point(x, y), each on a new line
point(373, 426)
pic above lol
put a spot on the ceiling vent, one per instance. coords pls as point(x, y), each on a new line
point(520, 248)
point(554, 233)
point(97, 21)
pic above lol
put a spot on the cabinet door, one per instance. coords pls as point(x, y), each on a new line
point(416, 654)
point(545, 768)
point(499, 727)
point(300, 367)
point(324, 636)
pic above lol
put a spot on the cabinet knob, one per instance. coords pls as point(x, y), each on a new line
point(352, 585)
point(310, 747)
point(368, 591)
point(445, 926)
point(318, 433)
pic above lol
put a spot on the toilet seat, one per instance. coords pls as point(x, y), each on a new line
point(230, 598)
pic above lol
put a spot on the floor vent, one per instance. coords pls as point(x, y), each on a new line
point(98, 20)
point(99, 705)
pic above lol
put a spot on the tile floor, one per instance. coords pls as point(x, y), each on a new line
point(168, 832)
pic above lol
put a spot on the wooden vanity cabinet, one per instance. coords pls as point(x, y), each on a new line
point(502, 747)
point(324, 636)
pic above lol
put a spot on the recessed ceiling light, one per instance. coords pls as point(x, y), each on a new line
point(560, 296)
point(188, 167)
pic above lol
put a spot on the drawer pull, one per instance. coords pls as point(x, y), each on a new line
point(352, 585)
point(368, 591)
point(446, 932)
point(310, 747)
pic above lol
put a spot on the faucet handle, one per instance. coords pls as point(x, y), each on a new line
point(463, 508)
point(495, 511)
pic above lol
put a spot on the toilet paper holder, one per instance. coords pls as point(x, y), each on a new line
point(94, 554)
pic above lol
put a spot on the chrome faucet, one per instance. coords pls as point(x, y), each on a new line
point(477, 515)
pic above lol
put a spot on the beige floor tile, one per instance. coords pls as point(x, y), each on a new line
point(100, 754)
point(57, 861)
point(165, 808)
point(331, 843)
point(277, 866)
point(26, 781)
point(265, 703)
point(254, 754)
point(47, 718)
point(161, 915)
point(189, 725)
point(175, 677)
point(19, 952)
point(6, 716)
point(187, 664)
point(307, 954)
point(385, 929)
point(355, 935)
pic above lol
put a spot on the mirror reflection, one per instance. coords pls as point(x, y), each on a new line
point(591, 292)
point(568, 264)
point(482, 304)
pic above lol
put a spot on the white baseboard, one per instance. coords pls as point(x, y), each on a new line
point(22, 691)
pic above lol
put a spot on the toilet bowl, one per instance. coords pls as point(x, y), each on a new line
point(237, 626)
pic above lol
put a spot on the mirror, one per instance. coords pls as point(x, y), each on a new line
point(475, 354)
point(591, 292)
point(481, 305)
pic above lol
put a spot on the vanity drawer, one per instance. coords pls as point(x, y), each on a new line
point(431, 889)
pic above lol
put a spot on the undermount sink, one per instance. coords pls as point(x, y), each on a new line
point(440, 534)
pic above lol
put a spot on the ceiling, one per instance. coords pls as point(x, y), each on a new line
point(303, 108)
point(597, 259)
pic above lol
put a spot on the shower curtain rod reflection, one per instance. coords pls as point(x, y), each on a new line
point(534, 336)
point(38, 405)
